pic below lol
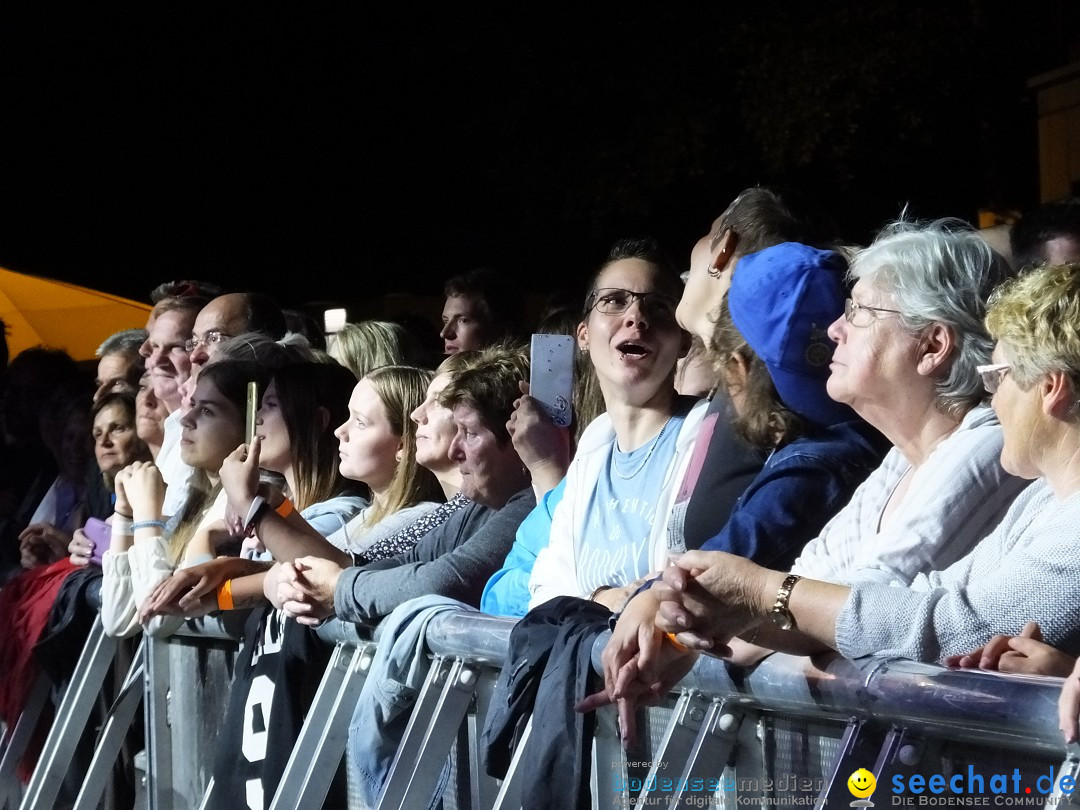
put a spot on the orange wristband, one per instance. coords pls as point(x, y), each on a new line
point(675, 643)
point(224, 596)
point(285, 508)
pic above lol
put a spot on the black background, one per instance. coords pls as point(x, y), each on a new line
point(343, 152)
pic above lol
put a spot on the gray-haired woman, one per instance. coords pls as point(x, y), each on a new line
point(908, 345)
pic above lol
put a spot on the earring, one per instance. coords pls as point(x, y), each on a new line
point(585, 350)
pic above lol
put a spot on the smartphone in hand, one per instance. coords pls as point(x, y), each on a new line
point(99, 533)
point(551, 375)
point(251, 411)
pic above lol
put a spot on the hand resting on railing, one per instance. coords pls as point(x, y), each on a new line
point(1026, 653)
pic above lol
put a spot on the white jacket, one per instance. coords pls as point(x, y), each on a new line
point(555, 570)
point(131, 576)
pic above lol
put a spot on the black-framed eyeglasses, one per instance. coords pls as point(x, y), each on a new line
point(992, 375)
point(852, 311)
point(616, 300)
point(211, 338)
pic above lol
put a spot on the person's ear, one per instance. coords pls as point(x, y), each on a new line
point(723, 253)
point(583, 337)
point(1058, 398)
point(736, 370)
point(936, 347)
point(323, 415)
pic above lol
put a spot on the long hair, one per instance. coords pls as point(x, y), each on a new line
point(231, 379)
point(365, 346)
point(314, 400)
point(766, 422)
point(401, 390)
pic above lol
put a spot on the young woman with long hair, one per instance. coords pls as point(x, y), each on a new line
point(144, 551)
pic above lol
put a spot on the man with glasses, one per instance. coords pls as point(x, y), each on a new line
point(223, 317)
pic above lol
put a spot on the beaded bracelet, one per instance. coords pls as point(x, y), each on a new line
point(147, 524)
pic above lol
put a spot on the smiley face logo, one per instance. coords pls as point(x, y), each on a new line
point(861, 783)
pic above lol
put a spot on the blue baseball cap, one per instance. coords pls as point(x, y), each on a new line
point(782, 300)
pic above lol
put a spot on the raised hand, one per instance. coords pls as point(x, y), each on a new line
point(240, 477)
point(145, 490)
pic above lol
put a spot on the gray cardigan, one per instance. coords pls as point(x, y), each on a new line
point(454, 560)
point(1025, 569)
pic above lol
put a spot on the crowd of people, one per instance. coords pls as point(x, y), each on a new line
point(801, 445)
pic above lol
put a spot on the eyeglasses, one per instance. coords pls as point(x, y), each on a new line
point(615, 301)
point(211, 338)
point(992, 375)
point(852, 310)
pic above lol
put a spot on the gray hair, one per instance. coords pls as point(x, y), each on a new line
point(126, 342)
point(260, 348)
point(940, 272)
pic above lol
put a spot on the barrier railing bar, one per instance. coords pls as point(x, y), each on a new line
point(71, 719)
point(484, 789)
point(159, 783)
point(677, 742)
point(412, 743)
point(317, 754)
point(17, 739)
point(509, 796)
point(438, 735)
point(715, 740)
point(859, 746)
point(1070, 767)
point(120, 717)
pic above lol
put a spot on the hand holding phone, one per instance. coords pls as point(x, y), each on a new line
point(99, 533)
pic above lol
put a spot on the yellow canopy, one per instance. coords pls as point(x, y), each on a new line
point(42, 312)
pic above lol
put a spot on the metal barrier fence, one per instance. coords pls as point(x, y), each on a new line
point(789, 734)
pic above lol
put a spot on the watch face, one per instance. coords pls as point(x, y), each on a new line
point(782, 620)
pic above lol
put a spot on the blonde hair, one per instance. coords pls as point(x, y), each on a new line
point(1036, 319)
point(368, 345)
point(401, 389)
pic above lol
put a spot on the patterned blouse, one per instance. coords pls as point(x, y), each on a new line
point(409, 536)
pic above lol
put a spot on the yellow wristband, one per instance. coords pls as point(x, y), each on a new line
point(224, 596)
point(675, 643)
point(285, 508)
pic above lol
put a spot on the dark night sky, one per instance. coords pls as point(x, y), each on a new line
point(342, 153)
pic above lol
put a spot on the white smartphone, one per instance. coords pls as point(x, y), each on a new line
point(551, 375)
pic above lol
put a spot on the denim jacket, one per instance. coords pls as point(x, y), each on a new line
point(800, 487)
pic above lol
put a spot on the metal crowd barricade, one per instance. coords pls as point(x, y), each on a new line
point(70, 721)
point(317, 754)
point(790, 733)
point(187, 683)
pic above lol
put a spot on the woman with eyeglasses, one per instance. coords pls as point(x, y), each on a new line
point(1023, 569)
point(910, 348)
point(610, 529)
